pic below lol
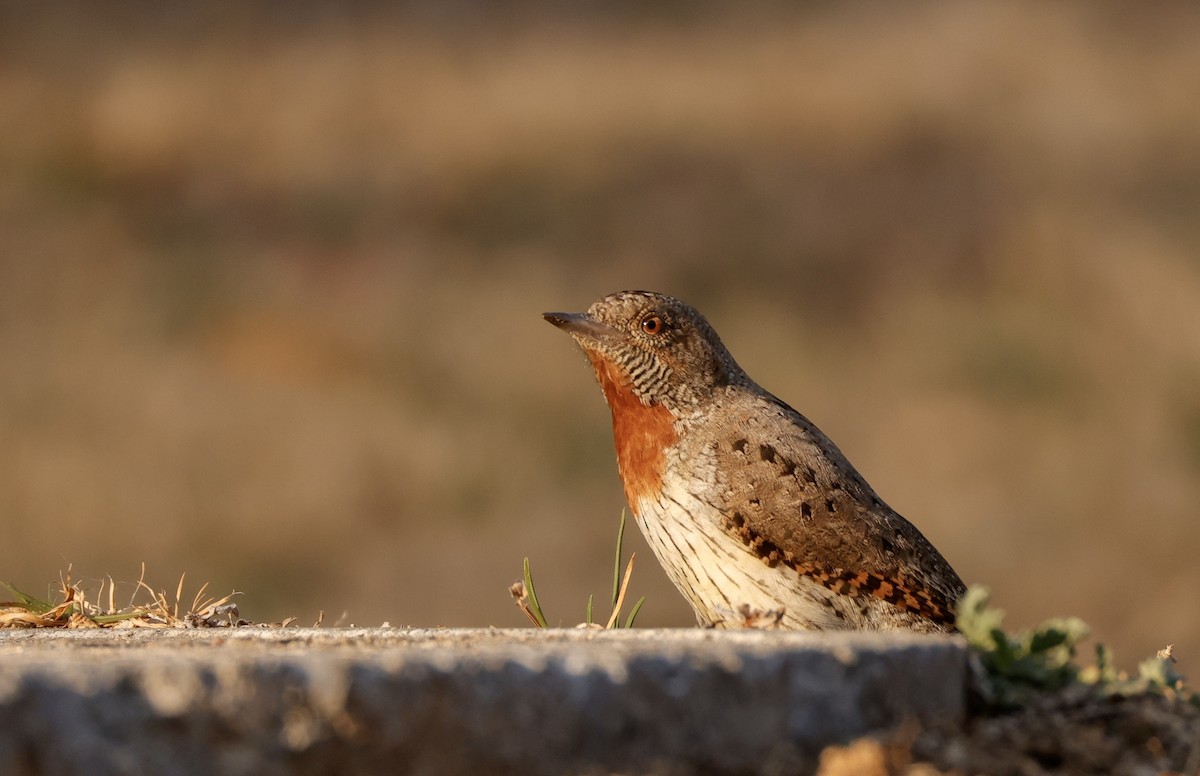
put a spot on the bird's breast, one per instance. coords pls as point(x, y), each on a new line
point(642, 433)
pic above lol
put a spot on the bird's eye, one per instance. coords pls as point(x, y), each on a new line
point(652, 324)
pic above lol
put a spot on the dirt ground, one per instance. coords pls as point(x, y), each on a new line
point(1074, 732)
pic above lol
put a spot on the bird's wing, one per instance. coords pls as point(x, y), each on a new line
point(801, 503)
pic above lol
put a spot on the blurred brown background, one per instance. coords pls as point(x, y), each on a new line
point(271, 278)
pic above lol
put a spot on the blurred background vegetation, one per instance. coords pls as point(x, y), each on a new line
point(271, 277)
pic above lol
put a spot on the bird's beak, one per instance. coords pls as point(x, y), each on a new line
point(580, 325)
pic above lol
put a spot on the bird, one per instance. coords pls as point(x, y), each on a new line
point(756, 516)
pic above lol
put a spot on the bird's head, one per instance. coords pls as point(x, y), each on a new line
point(660, 348)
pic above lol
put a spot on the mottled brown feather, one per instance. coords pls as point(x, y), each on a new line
point(792, 498)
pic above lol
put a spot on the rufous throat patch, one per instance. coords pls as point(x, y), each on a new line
point(641, 432)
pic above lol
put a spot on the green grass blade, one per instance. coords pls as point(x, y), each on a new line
point(29, 602)
point(617, 562)
point(104, 619)
point(533, 601)
point(636, 608)
point(588, 620)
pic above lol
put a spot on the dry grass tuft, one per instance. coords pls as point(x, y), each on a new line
point(79, 606)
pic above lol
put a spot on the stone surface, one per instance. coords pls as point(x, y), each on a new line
point(367, 701)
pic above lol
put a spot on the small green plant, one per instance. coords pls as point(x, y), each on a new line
point(525, 594)
point(1157, 675)
point(1016, 668)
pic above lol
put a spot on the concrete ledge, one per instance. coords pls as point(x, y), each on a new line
point(368, 701)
